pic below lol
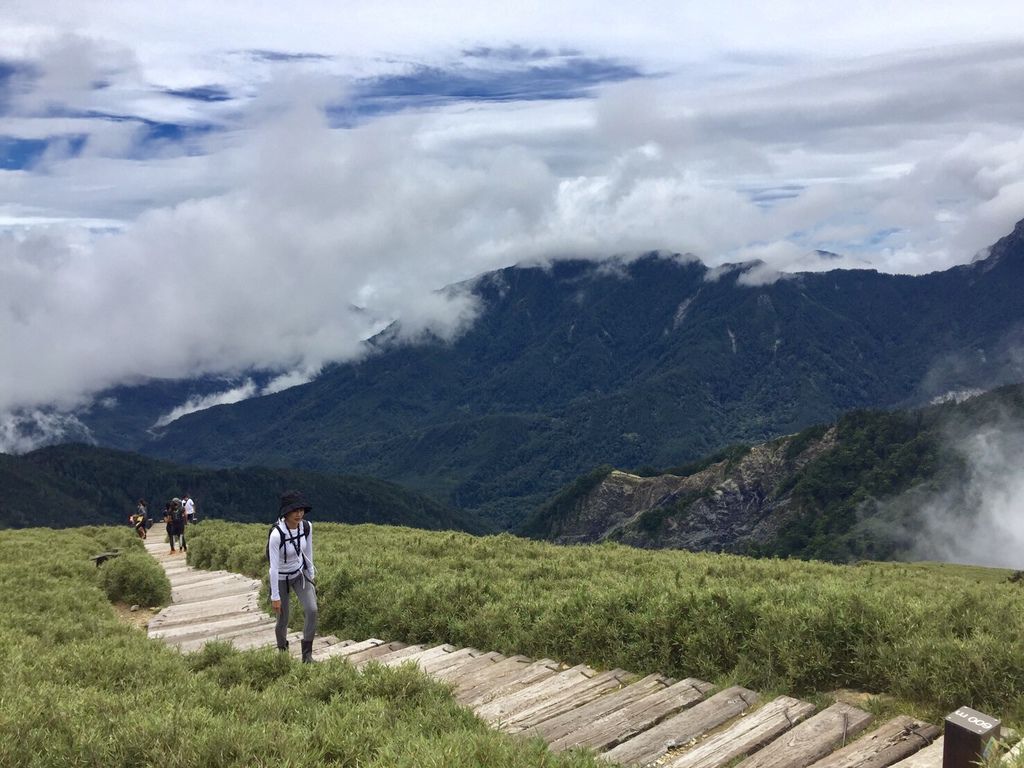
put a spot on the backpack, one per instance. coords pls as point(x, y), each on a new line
point(285, 538)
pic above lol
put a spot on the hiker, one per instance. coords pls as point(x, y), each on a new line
point(178, 520)
point(290, 550)
point(138, 520)
point(169, 521)
point(190, 510)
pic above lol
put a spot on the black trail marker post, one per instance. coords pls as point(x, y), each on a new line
point(969, 738)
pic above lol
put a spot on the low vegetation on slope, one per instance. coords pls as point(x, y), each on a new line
point(933, 636)
point(81, 688)
point(73, 485)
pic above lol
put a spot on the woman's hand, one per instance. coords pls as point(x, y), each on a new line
point(276, 605)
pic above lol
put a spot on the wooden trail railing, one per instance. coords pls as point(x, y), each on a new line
point(629, 721)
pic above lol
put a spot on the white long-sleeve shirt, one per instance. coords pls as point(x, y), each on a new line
point(295, 557)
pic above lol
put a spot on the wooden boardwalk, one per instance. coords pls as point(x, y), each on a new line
point(630, 720)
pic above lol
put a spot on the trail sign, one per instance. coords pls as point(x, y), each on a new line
point(969, 738)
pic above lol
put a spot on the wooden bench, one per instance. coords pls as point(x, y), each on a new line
point(102, 557)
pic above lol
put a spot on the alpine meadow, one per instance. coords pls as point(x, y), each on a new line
point(478, 385)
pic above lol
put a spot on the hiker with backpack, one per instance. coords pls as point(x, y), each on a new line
point(138, 520)
point(290, 551)
point(169, 522)
point(174, 516)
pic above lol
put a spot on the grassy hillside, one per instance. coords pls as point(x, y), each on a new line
point(935, 637)
point(72, 485)
point(81, 688)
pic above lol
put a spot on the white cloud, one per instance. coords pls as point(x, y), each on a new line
point(26, 430)
point(251, 245)
point(983, 522)
point(202, 402)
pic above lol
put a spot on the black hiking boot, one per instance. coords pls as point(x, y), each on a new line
point(307, 651)
point(283, 648)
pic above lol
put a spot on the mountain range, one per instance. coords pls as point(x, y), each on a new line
point(641, 365)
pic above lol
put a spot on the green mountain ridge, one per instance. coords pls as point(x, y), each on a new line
point(72, 485)
point(658, 361)
point(844, 491)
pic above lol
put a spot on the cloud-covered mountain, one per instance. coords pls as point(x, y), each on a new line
point(654, 362)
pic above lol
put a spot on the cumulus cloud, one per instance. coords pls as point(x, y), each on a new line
point(268, 238)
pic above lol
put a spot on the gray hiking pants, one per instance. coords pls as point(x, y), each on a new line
point(304, 590)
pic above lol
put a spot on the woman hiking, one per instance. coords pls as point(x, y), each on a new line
point(290, 549)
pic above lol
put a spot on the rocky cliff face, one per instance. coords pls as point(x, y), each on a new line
point(725, 506)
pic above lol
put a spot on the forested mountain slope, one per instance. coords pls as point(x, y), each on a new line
point(71, 485)
point(657, 362)
point(858, 488)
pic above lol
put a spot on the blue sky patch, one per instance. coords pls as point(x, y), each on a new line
point(20, 154)
point(209, 93)
point(425, 86)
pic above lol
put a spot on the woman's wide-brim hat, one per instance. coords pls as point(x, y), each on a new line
point(292, 500)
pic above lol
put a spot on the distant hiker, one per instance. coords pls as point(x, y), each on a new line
point(190, 509)
point(142, 509)
point(138, 520)
point(169, 521)
point(180, 523)
point(290, 550)
point(177, 530)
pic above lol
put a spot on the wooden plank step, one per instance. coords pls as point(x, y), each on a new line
point(320, 643)
point(257, 639)
point(362, 645)
point(489, 675)
point(331, 651)
point(928, 757)
point(745, 735)
point(209, 608)
point(186, 631)
point(421, 656)
point(501, 708)
point(648, 746)
point(163, 620)
point(457, 657)
point(198, 587)
point(813, 739)
point(251, 637)
point(197, 576)
point(372, 653)
point(1013, 755)
point(401, 653)
point(504, 685)
point(622, 721)
point(558, 727)
point(897, 739)
point(568, 700)
point(187, 597)
point(471, 667)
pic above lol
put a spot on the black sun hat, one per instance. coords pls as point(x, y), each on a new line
point(292, 500)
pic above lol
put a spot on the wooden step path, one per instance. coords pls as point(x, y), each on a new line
point(653, 720)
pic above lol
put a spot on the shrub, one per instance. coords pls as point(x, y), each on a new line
point(135, 578)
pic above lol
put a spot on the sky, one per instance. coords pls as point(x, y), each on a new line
point(205, 188)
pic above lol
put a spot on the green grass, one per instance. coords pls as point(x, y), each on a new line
point(932, 636)
point(80, 688)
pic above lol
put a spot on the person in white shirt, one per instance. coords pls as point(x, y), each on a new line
point(290, 550)
point(190, 509)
